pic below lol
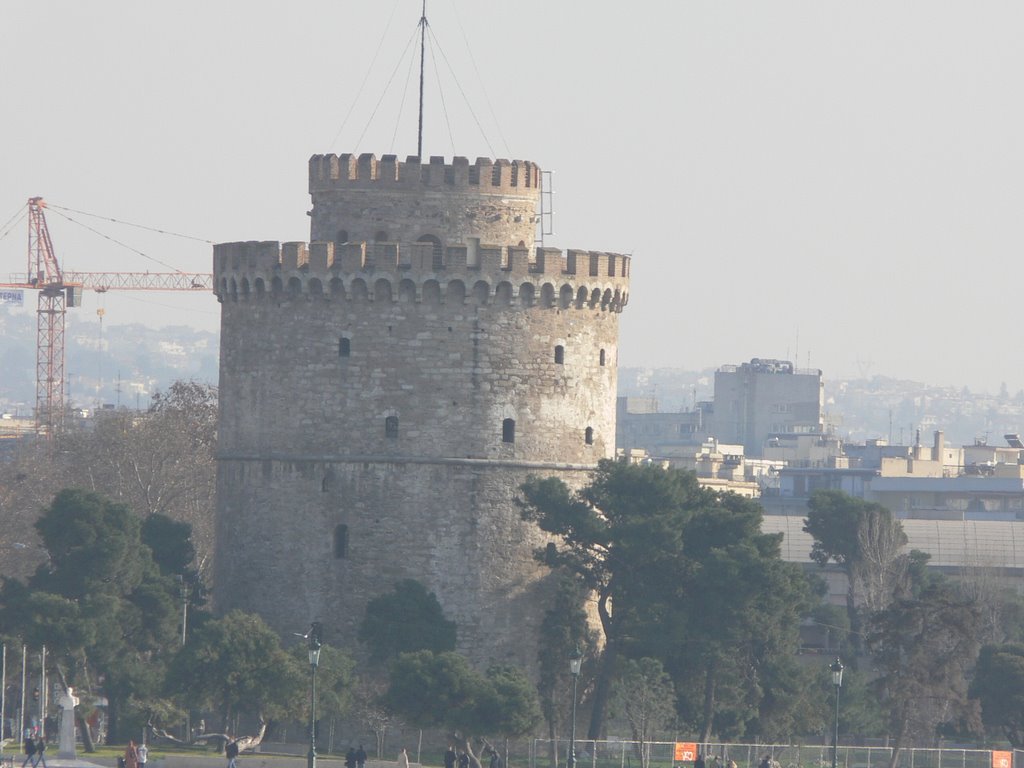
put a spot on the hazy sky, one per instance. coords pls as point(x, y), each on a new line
point(837, 183)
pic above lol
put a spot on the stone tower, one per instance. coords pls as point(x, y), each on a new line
point(386, 389)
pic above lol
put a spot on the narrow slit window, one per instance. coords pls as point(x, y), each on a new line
point(340, 541)
point(588, 436)
point(560, 354)
point(508, 431)
point(391, 426)
point(344, 347)
point(602, 357)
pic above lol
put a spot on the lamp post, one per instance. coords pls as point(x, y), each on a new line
point(314, 660)
point(575, 662)
point(837, 681)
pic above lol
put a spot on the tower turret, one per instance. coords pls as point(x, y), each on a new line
point(387, 388)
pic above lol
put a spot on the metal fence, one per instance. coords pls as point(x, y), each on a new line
point(660, 754)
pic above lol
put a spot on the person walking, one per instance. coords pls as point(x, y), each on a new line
point(40, 749)
point(131, 755)
point(231, 751)
point(360, 757)
point(403, 759)
point(30, 749)
point(143, 751)
point(463, 759)
point(350, 758)
point(450, 757)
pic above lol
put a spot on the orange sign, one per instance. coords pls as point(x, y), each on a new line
point(999, 759)
point(686, 752)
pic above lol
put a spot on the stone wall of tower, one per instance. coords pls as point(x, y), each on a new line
point(381, 404)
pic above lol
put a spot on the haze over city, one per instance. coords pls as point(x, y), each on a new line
point(837, 185)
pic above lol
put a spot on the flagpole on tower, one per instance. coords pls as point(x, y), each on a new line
point(423, 44)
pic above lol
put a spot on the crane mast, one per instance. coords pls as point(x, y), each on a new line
point(54, 298)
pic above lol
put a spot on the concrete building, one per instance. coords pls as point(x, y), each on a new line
point(763, 398)
point(387, 388)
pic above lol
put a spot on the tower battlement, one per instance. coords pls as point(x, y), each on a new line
point(574, 277)
point(387, 388)
point(502, 177)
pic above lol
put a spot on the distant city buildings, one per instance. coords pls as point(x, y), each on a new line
point(765, 434)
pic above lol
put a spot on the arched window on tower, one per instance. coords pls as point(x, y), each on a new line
point(344, 347)
point(559, 354)
point(508, 431)
point(340, 541)
point(342, 237)
point(391, 426)
point(588, 436)
point(438, 251)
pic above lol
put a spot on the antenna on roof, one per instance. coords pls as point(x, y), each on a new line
point(423, 44)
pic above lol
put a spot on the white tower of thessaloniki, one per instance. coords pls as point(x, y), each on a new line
point(387, 388)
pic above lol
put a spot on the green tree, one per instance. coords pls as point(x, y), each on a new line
point(236, 666)
point(865, 540)
point(441, 690)
point(615, 533)
point(99, 603)
point(998, 685)
point(563, 631)
point(334, 680)
point(922, 646)
point(736, 619)
point(409, 618)
point(684, 575)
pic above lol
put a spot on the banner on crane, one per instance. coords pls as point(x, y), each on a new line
point(14, 298)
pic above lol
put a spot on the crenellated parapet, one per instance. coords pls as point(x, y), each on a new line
point(545, 277)
point(365, 171)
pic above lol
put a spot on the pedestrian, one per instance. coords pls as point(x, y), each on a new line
point(143, 752)
point(403, 759)
point(30, 749)
point(463, 759)
point(766, 762)
point(350, 758)
point(231, 751)
point(360, 757)
point(131, 755)
point(699, 762)
point(495, 759)
point(40, 749)
point(450, 757)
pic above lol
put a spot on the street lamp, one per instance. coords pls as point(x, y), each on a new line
point(314, 659)
point(837, 681)
point(575, 662)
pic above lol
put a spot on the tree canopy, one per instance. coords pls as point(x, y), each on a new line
point(442, 690)
point(999, 686)
point(409, 618)
point(682, 574)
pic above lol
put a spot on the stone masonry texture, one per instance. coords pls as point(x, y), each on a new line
point(387, 388)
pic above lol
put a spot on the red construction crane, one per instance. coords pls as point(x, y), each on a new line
point(59, 290)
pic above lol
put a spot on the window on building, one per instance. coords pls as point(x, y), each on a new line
point(341, 237)
point(340, 541)
point(508, 431)
point(344, 347)
point(437, 253)
point(559, 354)
point(601, 357)
point(391, 426)
point(381, 237)
point(588, 436)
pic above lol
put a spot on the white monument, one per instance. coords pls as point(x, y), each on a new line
point(67, 702)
